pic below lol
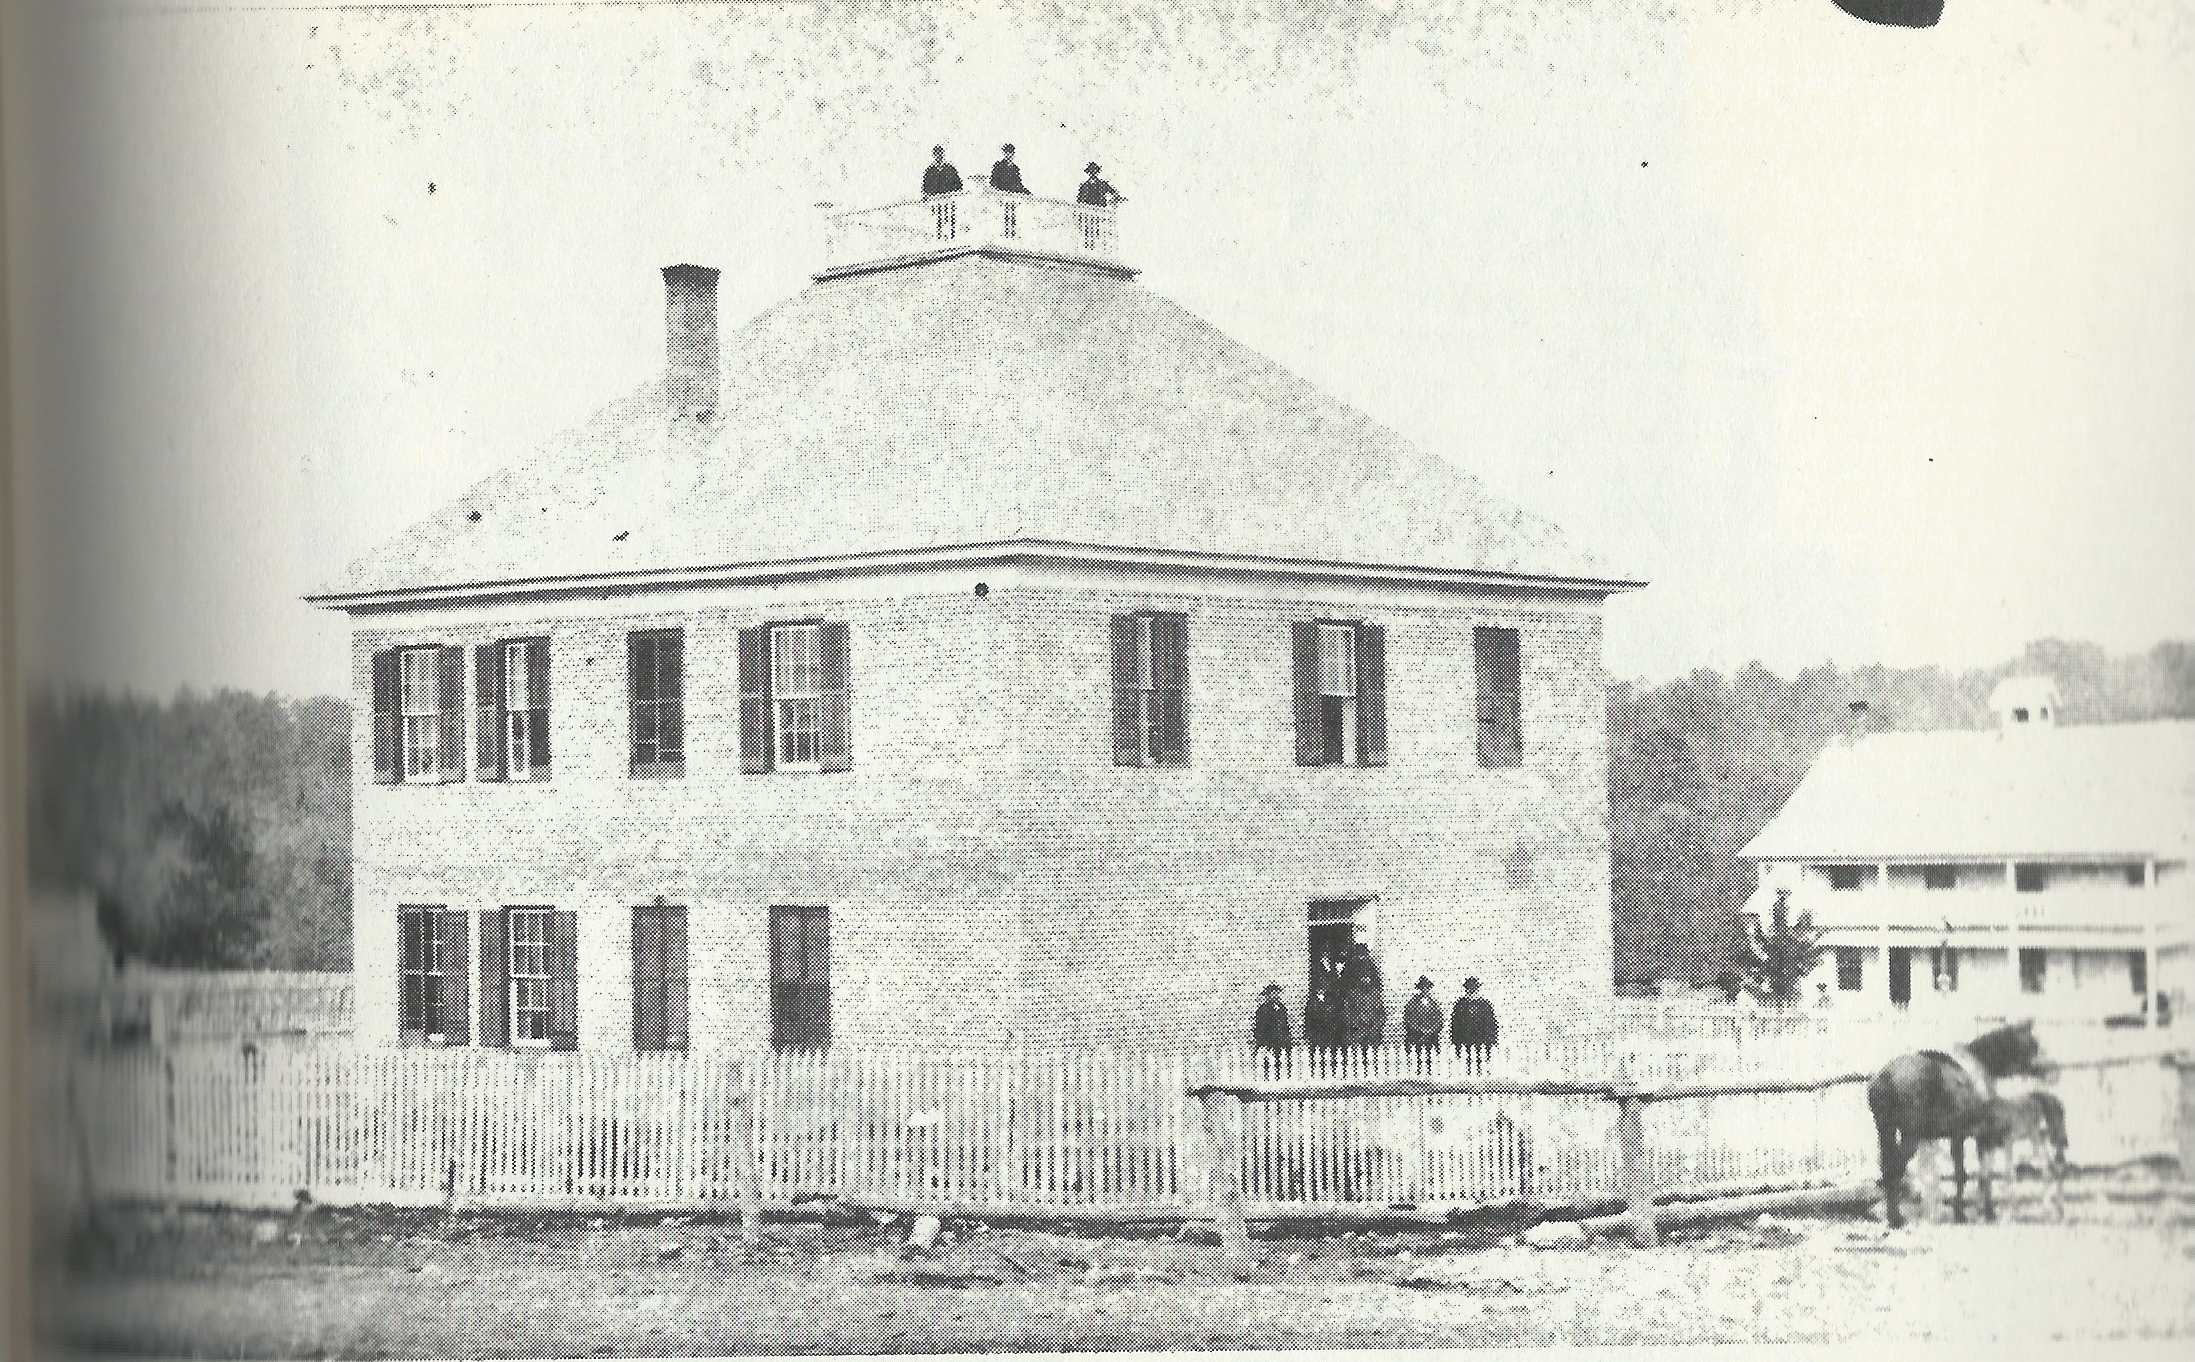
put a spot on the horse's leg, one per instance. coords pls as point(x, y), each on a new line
point(1958, 1180)
point(1982, 1160)
point(1893, 1168)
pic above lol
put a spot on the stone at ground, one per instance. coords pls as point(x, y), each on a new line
point(1554, 1234)
point(266, 1232)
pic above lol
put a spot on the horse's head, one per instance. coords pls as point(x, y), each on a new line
point(2011, 1050)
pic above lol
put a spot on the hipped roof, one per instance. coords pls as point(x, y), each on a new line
point(2105, 790)
point(982, 400)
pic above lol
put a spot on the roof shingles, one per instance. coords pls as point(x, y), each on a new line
point(972, 401)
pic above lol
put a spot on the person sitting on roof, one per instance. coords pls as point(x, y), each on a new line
point(1005, 175)
point(939, 177)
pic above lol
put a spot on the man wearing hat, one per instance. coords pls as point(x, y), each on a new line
point(1474, 1028)
point(1270, 1031)
point(1005, 175)
point(1421, 1023)
point(1096, 192)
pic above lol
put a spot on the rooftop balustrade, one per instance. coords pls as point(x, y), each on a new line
point(978, 218)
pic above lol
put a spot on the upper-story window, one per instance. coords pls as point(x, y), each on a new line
point(1150, 667)
point(1341, 694)
point(1939, 877)
point(2029, 879)
point(1497, 658)
point(656, 668)
point(418, 715)
point(794, 702)
point(1847, 876)
point(511, 728)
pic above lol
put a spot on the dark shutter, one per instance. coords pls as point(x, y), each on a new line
point(388, 703)
point(1372, 694)
point(488, 711)
point(411, 1011)
point(1127, 699)
point(834, 724)
point(564, 980)
point(648, 1018)
point(1497, 667)
point(495, 977)
point(450, 760)
point(674, 978)
point(1169, 675)
point(1310, 731)
point(457, 1024)
point(537, 695)
point(754, 699)
point(639, 692)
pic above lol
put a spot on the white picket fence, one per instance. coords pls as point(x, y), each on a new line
point(1061, 1131)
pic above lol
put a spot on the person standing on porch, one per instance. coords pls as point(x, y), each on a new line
point(1474, 1028)
point(1322, 1016)
point(1421, 1018)
point(940, 176)
point(1363, 999)
point(1270, 1032)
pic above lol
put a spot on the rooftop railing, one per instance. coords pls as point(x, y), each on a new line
point(973, 218)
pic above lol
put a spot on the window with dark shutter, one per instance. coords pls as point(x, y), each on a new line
point(1498, 672)
point(495, 977)
point(1150, 670)
point(656, 671)
point(1340, 694)
point(431, 976)
point(834, 698)
point(522, 708)
point(387, 708)
point(800, 977)
point(659, 977)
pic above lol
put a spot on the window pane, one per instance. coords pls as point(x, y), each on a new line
point(1337, 660)
point(422, 680)
point(793, 659)
point(516, 671)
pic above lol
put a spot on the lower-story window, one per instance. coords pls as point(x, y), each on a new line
point(1848, 969)
point(529, 978)
point(431, 976)
point(2032, 966)
point(659, 976)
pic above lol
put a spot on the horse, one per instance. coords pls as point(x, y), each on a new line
point(1931, 1095)
point(2036, 1119)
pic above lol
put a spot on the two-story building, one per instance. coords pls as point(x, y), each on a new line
point(975, 647)
point(2028, 869)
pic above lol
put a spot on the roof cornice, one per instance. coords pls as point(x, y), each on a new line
point(1012, 551)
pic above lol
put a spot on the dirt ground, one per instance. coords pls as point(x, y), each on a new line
point(374, 1283)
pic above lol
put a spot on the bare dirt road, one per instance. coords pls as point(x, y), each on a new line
point(385, 1283)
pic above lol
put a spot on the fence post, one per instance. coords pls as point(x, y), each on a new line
point(1638, 1170)
point(2184, 1062)
point(746, 1171)
point(1226, 1187)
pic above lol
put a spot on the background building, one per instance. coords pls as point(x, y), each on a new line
point(2029, 869)
point(975, 647)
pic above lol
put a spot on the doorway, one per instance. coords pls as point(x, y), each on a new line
point(1901, 975)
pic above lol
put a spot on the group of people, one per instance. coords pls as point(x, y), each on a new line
point(941, 177)
point(1347, 1009)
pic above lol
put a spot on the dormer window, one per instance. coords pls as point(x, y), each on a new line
point(2019, 716)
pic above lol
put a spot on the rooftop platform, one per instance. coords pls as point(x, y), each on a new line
point(978, 219)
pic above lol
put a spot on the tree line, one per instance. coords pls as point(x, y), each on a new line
point(214, 829)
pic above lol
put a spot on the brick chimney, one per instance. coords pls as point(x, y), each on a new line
point(692, 383)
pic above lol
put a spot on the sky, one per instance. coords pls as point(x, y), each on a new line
point(1860, 344)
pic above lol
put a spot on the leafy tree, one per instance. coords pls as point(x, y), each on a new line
point(1773, 961)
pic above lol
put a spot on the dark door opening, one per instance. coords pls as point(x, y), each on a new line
point(1901, 975)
